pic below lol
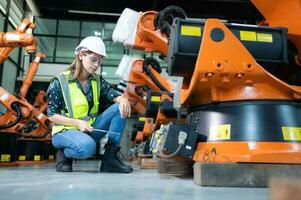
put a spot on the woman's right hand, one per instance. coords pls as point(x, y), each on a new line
point(83, 126)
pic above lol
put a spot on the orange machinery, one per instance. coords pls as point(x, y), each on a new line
point(139, 78)
point(19, 112)
point(143, 73)
point(22, 115)
point(136, 93)
point(40, 101)
point(150, 39)
point(17, 38)
point(242, 111)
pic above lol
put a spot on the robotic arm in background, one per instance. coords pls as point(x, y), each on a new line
point(32, 70)
point(18, 39)
point(21, 117)
point(151, 34)
point(147, 38)
point(165, 114)
point(30, 127)
point(151, 31)
point(144, 77)
point(40, 102)
point(14, 39)
point(20, 114)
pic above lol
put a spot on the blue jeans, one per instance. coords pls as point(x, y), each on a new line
point(80, 145)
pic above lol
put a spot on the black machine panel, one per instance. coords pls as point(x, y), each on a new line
point(267, 45)
point(269, 121)
point(166, 140)
point(152, 103)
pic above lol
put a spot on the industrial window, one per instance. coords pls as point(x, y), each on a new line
point(58, 38)
point(15, 12)
point(47, 46)
point(68, 28)
point(91, 28)
point(115, 53)
point(9, 71)
point(3, 6)
point(45, 26)
point(65, 49)
point(1, 22)
point(108, 31)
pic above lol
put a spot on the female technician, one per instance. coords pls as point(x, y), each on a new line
point(73, 108)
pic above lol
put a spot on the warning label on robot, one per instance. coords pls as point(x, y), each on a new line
point(37, 157)
point(191, 30)
point(155, 98)
point(22, 158)
point(5, 157)
point(255, 37)
point(248, 35)
point(263, 37)
point(291, 133)
point(142, 119)
point(220, 132)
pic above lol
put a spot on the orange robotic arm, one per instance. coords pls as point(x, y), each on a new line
point(151, 124)
point(149, 31)
point(30, 48)
point(150, 37)
point(40, 101)
point(147, 38)
point(226, 71)
point(14, 39)
point(32, 70)
point(19, 114)
point(140, 78)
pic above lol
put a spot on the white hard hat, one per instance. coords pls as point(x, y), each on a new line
point(92, 43)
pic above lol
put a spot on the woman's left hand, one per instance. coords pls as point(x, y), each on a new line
point(124, 106)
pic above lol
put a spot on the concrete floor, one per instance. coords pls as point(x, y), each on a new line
point(41, 182)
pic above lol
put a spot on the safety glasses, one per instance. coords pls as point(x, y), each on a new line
point(93, 59)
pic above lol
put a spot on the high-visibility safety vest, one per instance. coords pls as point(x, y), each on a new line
point(76, 102)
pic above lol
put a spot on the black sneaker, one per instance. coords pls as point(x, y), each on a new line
point(63, 164)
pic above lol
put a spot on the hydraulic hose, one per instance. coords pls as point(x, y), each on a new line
point(16, 108)
point(165, 17)
point(33, 134)
point(151, 62)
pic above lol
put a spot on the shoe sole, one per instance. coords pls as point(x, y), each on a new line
point(63, 170)
point(116, 171)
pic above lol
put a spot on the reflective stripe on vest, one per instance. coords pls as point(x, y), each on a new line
point(76, 102)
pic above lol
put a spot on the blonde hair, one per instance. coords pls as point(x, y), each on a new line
point(75, 68)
